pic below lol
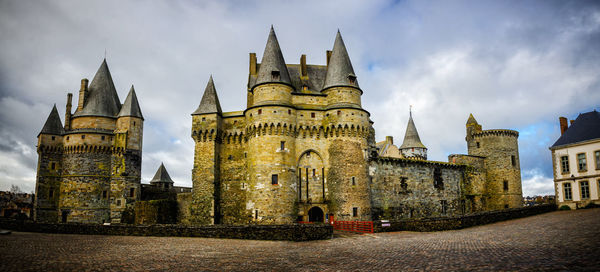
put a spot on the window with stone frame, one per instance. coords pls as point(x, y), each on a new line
point(274, 179)
point(438, 181)
point(585, 189)
point(513, 160)
point(564, 164)
point(581, 162)
point(105, 194)
point(51, 193)
point(567, 190)
point(353, 181)
point(355, 212)
point(597, 158)
point(505, 183)
point(282, 145)
point(131, 192)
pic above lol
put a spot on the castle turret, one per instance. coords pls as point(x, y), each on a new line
point(49, 148)
point(206, 132)
point(412, 146)
point(500, 148)
point(127, 157)
point(271, 158)
point(162, 179)
point(348, 126)
point(86, 183)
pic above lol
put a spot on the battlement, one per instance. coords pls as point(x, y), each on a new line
point(497, 132)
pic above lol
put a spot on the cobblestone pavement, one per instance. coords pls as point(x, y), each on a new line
point(565, 240)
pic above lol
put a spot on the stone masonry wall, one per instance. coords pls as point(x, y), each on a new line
point(405, 188)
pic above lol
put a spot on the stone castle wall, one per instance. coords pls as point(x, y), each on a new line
point(405, 188)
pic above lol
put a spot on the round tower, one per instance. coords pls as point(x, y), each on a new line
point(271, 123)
point(500, 148)
point(412, 146)
point(86, 183)
point(347, 130)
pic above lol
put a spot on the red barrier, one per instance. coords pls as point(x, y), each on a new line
point(355, 226)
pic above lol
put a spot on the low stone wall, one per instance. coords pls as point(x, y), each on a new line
point(459, 222)
point(295, 232)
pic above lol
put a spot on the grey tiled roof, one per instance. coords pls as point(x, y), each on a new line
point(411, 138)
point(585, 127)
point(210, 100)
point(102, 98)
point(53, 124)
point(131, 107)
point(340, 67)
point(161, 175)
point(272, 60)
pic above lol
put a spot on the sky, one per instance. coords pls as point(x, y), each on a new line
point(512, 64)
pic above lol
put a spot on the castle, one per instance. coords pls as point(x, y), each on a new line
point(303, 150)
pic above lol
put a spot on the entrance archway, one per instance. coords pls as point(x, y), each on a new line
point(311, 177)
point(315, 214)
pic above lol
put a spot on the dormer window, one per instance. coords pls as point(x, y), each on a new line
point(275, 75)
point(351, 78)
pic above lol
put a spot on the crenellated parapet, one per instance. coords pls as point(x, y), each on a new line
point(496, 132)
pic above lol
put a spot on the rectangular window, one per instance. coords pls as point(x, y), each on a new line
point(259, 111)
point(506, 186)
point(597, 156)
point(355, 212)
point(132, 192)
point(444, 204)
point(82, 136)
point(585, 189)
point(104, 194)
point(274, 179)
point(103, 137)
point(564, 164)
point(53, 166)
point(282, 145)
point(478, 145)
point(51, 193)
point(314, 173)
point(581, 162)
point(53, 138)
point(567, 189)
point(353, 181)
point(255, 214)
point(513, 160)
point(118, 203)
point(312, 114)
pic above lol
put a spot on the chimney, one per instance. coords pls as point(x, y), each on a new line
point(68, 112)
point(572, 121)
point(252, 64)
point(389, 140)
point(82, 94)
point(328, 56)
point(303, 65)
point(563, 125)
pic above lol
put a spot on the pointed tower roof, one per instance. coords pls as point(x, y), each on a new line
point(471, 119)
point(161, 175)
point(131, 107)
point(339, 70)
point(53, 124)
point(102, 98)
point(210, 100)
point(272, 61)
point(411, 137)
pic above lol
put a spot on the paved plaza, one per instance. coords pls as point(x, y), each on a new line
point(562, 240)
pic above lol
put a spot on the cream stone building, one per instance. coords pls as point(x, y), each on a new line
point(576, 161)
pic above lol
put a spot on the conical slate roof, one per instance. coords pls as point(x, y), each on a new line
point(340, 68)
point(210, 100)
point(53, 124)
point(471, 119)
point(411, 138)
point(272, 61)
point(131, 107)
point(161, 175)
point(102, 98)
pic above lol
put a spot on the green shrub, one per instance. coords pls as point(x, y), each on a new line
point(564, 208)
